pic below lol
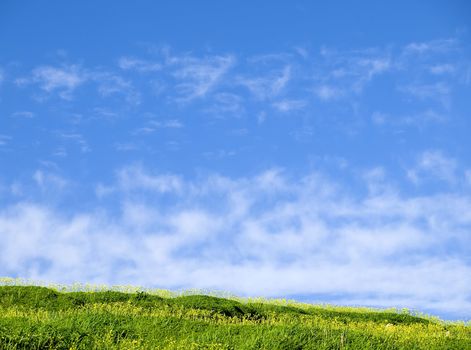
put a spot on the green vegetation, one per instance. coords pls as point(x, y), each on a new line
point(33, 317)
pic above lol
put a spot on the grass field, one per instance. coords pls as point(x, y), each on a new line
point(33, 317)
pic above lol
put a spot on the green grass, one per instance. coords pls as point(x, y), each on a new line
point(33, 317)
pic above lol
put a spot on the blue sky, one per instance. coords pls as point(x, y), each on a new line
point(283, 149)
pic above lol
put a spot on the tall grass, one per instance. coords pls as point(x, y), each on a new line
point(91, 317)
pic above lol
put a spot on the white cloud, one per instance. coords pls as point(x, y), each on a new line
point(374, 66)
point(379, 118)
point(219, 154)
point(64, 79)
point(427, 91)
point(346, 73)
point(154, 125)
point(268, 86)
point(271, 180)
point(266, 235)
point(100, 113)
point(430, 47)
point(303, 134)
point(301, 51)
point(280, 82)
point(375, 180)
point(126, 146)
point(60, 152)
point(4, 139)
point(132, 178)
point(142, 66)
point(289, 105)
point(419, 119)
point(110, 84)
point(326, 92)
point(423, 118)
point(47, 181)
point(363, 69)
point(226, 103)
point(439, 69)
point(79, 139)
point(270, 58)
point(433, 165)
point(468, 176)
point(23, 114)
point(261, 117)
point(334, 76)
point(171, 123)
point(467, 75)
point(197, 76)
point(195, 225)
point(102, 191)
point(240, 131)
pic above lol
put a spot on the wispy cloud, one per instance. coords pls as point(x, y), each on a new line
point(431, 47)
point(420, 119)
point(77, 138)
point(171, 123)
point(154, 125)
point(110, 84)
point(423, 73)
point(197, 76)
point(440, 92)
point(4, 139)
point(445, 68)
point(326, 92)
point(135, 178)
point(219, 154)
point(142, 66)
point(345, 73)
point(433, 164)
point(126, 146)
point(104, 113)
point(468, 176)
point(286, 105)
point(226, 103)
point(427, 91)
point(48, 181)
point(23, 114)
point(64, 79)
point(267, 86)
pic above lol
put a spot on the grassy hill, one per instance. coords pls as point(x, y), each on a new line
point(33, 317)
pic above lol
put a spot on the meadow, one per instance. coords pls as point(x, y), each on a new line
point(90, 317)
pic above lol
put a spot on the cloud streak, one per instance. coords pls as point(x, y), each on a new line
point(197, 76)
point(142, 66)
point(266, 87)
point(418, 73)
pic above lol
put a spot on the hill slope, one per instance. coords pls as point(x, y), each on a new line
point(34, 317)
